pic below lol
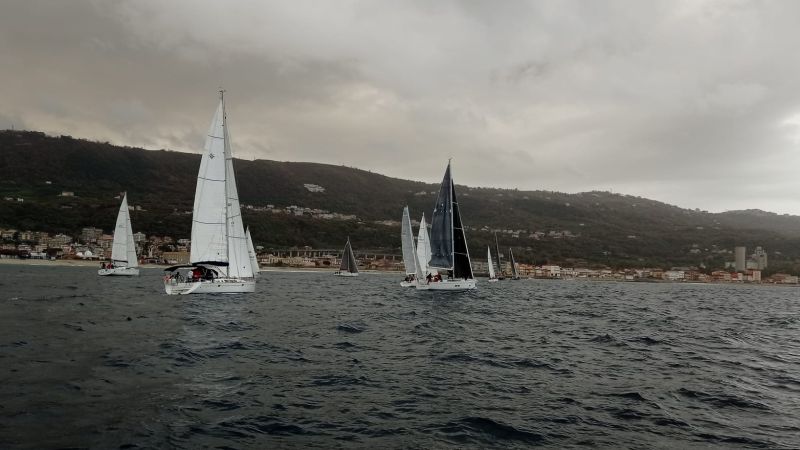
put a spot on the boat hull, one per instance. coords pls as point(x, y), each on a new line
point(408, 284)
point(449, 285)
point(218, 286)
point(493, 280)
point(345, 274)
point(119, 272)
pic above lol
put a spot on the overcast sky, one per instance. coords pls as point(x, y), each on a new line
point(695, 103)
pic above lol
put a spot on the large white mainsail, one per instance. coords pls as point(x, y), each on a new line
point(251, 251)
point(123, 251)
point(407, 240)
point(217, 229)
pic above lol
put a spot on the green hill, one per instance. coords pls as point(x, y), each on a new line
point(601, 227)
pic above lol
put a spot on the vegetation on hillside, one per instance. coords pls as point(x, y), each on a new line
point(603, 228)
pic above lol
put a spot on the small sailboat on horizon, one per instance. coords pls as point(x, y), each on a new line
point(449, 251)
point(348, 267)
point(497, 258)
point(251, 251)
point(219, 259)
point(492, 277)
point(124, 261)
point(514, 273)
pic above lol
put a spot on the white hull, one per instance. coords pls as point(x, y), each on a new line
point(119, 271)
point(493, 280)
point(339, 273)
point(218, 286)
point(448, 285)
point(408, 283)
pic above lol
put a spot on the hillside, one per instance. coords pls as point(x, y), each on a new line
point(606, 228)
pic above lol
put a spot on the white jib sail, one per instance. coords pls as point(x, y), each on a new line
point(124, 249)
point(423, 247)
point(251, 251)
point(239, 262)
point(407, 239)
point(489, 259)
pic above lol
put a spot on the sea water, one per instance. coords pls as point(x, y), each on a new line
point(313, 360)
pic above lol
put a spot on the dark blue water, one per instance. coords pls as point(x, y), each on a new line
point(313, 360)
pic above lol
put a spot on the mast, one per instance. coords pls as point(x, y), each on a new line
point(225, 179)
point(452, 232)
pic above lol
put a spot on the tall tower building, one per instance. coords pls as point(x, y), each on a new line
point(740, 261)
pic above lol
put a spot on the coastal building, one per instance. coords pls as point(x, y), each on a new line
point(760, 258)
point(89, 235)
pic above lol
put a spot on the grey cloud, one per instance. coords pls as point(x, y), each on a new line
point(664, 99)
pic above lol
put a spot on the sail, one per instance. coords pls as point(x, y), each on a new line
point(239, 262)
point(123, 249)
point(497, 254)
point(407, 239)
point(489, 262)
point(462, 265)
point(251, 251)
point(442, 226)
point(513, 264)
point(348, 259)
point(423, 247)
point(209, 230)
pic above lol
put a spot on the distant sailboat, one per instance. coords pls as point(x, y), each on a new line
point(251, 251)
point(219, 259)
point(449, 250)
point(349, 267)
point(492, 278)
point(514, 274)
point(497, 258)
point(123, 251)
point(407, 241)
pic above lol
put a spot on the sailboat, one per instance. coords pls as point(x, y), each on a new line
point(123, 250)
point(514, 274)
point(219, 259)
point(349, 267)
point(407, 241)
point(251, 251)
point(492, 278)
point(449, 250)
point(497, 258)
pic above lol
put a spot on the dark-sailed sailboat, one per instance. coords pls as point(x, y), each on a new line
point(497, 259)
point(349, 267)
point(514, 274)
point(449, 252)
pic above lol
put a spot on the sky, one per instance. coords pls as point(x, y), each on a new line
point(695, 103)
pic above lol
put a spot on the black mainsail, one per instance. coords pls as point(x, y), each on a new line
point(448, 241)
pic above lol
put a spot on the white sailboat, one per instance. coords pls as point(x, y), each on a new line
point(407, 241)
point(492, 278)
point(123, 252)
point(219, 259)
point(251, 251)
point(349, 267)
point(423, 249)
point(449, 250)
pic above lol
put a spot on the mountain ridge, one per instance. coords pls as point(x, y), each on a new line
point(604, 228)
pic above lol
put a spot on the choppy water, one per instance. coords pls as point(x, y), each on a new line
point(317, 360)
